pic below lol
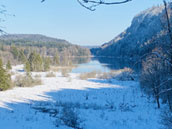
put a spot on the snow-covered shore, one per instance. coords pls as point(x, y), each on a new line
point(101, 104)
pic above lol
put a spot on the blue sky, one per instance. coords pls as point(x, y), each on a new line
point(66, 19)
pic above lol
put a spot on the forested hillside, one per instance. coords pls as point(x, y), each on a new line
point(147, 31)
point(16, 46)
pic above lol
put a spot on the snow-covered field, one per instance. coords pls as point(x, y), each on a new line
point(99, 104)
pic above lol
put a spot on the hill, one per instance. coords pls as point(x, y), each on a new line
point(147, 31)
point(40, 41)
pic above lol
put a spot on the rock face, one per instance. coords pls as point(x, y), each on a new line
point(147, 28)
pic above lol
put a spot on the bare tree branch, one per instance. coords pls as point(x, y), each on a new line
point(92, 4)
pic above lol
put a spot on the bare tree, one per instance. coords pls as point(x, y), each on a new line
point(3, 12)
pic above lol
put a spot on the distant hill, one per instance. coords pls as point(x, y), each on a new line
point(145, 33)
point(33, 40)
point(31, 37)
point(37, 40)
point(90, 47)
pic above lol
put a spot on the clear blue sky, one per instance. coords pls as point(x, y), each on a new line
point(66, 19)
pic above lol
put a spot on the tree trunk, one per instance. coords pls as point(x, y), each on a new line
point(169, 102)
point(170, 53)
point(157, 100)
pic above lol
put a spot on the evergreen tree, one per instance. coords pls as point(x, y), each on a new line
point(8, 65)
point(5, 79)
point(36, 63)
point(14, 51)
point(21, 56)
point(31, 61)
point(47, 62)
point(27, 67)
point(56, 59)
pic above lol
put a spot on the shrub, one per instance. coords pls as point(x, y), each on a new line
point(65, 72)
point(70, 117)
point(26, 81)
point(37, 75)
point(125, 74)
point(85, 76)
point(105, 75)
point(166, 119)
point(54, 68)
point(50, 74)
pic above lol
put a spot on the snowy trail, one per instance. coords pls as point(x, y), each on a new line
point(103, 104)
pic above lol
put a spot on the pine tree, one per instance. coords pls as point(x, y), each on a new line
point(36, 63)
point(21, 56)
point(47, 62)
point(8, 65)
point(31, 61)
point(27, 67)
point(14, 51)
point(56, 59)
point(5, 79)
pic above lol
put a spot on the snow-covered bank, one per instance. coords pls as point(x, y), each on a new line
point(100, 104)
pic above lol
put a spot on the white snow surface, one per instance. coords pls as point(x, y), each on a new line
point(103, 109)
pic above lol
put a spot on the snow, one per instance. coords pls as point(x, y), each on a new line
point(109, 104)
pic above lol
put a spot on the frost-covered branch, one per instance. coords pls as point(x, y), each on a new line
point(165, 91)
point(161, 84)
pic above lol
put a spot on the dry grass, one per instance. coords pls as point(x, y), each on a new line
point(38, 76)
point(65, 71)
point(54, 68)
point(85, 76)
point(26, 81)
point(121, 74)
point(50, 74)
point(11, 73)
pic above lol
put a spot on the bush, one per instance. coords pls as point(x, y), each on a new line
point(26, 81)
point(70, 117)
point(50, 74)
point(125, 74)
point(38, 76)
point(65, 72)
point(85, 76)
point(54, 68)
point(166, 119)
point(105, 75)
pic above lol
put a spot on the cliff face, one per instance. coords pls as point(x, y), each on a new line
point(146, 28)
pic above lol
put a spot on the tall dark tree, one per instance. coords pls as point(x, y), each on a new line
point(56, 59)
point(36, 63)
point(8, 65)
point(46, 62)
point(5, 79)
point(21, 56)
point(14, 51)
